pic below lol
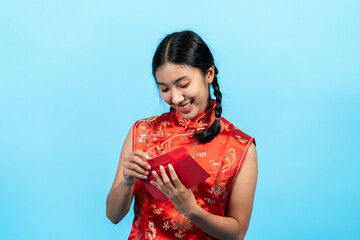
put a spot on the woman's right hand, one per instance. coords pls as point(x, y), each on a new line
point(134, 167)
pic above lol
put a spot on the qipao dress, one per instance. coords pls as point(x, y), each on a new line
point(221, 158)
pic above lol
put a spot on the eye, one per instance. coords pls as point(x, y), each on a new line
point(185, 86)
point(164, 90)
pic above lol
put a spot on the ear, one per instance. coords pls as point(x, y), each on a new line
point(210, 74)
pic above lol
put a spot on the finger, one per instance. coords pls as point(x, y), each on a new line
point(159, 184)
point(166, 178)
point(158, 179)
point(139, 161)
point(174, 177)
point(131, 173)
point(141, 154)
point(135, 167)
point(156, 185)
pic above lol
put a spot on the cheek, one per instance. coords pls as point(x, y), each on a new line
point(199, 90)
point(166, 97)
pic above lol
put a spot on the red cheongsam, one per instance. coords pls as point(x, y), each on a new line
point(221, 158)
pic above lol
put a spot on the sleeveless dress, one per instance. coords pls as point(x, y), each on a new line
point(221, 158)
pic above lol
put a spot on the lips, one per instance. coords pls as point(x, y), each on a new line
point(185, 108)
point(185, 105)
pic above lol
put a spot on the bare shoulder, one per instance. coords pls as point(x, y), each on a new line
point(128, 143)
point(251, 155)
point(249, 169)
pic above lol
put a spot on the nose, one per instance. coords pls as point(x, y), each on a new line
point(177, 97)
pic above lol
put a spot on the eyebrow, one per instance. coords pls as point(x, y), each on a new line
point(176, 81)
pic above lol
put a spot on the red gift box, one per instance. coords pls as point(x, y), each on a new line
point(189, 172)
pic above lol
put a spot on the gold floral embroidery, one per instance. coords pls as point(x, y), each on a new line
point(214, 164)
point(199, 126)
point(166, 225)
point(178, 222)
point(148, 235)
point(159, 134)
point(220, 180)
point(219, 184)
point(163, 147)
point(151, 225)
point(179, 234)
point(241, 139)
point(144, 135)
point(202, 154)
point(150, 119)
point(229, 161)
point(158, 211)
point(224, 126)
point(138, 140)
point(166, 123)
point(184, 122)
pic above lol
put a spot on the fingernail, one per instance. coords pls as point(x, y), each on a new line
point(161, 167)
point(147, 157)
point(148, 167)
point(147, 173)
point(169, 165)
point(154, 172)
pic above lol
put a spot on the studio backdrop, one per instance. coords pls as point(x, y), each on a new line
point(76, 75)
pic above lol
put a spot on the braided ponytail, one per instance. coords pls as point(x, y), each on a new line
point(211, 132)
point(218, 95)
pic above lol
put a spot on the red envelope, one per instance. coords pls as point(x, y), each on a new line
point(188, 170)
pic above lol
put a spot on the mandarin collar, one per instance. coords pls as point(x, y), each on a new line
point(200, 122)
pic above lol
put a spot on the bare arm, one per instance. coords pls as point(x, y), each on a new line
point(232, 226)
point(130, 168)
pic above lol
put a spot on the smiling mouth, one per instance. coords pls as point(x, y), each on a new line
point(185, 106)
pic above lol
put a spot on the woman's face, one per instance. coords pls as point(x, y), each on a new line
point(185, 88)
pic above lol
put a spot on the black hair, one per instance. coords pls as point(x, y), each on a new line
point(188, 48)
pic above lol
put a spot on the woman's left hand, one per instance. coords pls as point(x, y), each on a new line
point(182, 198)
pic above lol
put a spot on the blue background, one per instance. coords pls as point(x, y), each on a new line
point(75, 75)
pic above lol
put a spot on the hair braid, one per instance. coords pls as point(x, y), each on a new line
point(218, 95)
point(211, 132)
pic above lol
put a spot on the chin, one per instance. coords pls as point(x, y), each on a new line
point(189, 115)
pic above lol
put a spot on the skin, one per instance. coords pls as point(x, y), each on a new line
point(181, 84)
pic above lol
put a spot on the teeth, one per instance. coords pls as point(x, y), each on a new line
point(185, 106)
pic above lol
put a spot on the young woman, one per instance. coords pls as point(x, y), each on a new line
point(221, 206)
